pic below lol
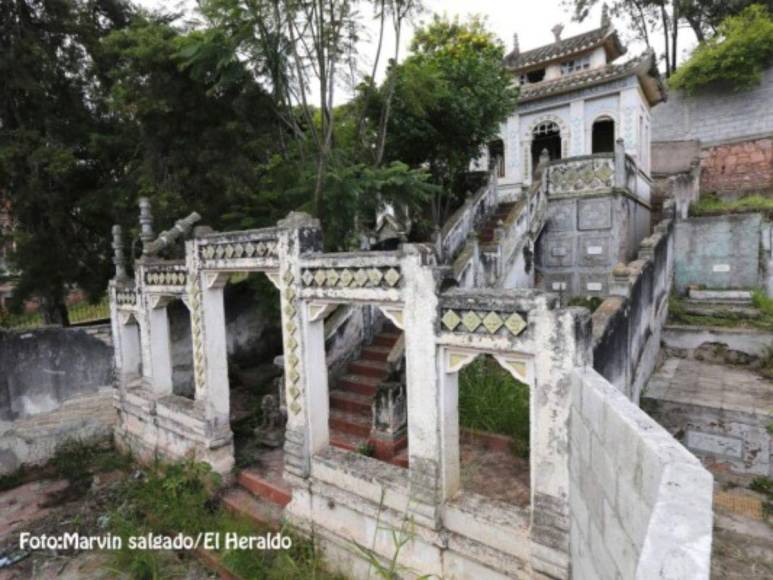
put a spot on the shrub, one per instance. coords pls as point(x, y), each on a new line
point(736, 55)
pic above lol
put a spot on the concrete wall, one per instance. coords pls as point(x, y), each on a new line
point(627, 327)
point(720, 252)
point(584, 238)
point(630, 481)
point(716, 115)
point(55, 384)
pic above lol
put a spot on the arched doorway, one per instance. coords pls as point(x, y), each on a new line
point(603, 135)
point(546, 136)
point(496, 152)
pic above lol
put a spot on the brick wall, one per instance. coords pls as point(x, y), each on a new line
point(641, 504)
point(733, 169)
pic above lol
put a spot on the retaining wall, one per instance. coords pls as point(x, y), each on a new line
point(723, 252)
point(630, 481)
point(627, 326)
point(55, 384)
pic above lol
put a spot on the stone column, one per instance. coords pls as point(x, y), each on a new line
point(215, 389)
point(304, 350)
point(161, 352)
point(428, 424)
point(568, 332)
point(127, 347)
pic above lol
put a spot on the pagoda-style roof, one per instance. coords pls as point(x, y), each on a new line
point(643, 66)
point(605, 36)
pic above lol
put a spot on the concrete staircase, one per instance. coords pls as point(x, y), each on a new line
point(260, 493)
point(487, 232)
point(351, 401)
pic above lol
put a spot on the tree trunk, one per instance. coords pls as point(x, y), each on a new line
point(54, 311)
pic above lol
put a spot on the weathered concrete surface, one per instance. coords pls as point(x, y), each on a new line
point(716, 115)
point(719, 412)
point(627, 326)
point(630, 483)
point(719, 252)
point(55, 384)
point(686, 338)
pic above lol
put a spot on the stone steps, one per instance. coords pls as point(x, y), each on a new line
point(271, 489)
point(351, 399)
point(258, 510)
point(486, 233)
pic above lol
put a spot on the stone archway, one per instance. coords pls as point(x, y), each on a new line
point(528, 137)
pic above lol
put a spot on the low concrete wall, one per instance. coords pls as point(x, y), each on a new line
point(55, 384)
point(627, 326)
point(641, 504)
point(722, 252)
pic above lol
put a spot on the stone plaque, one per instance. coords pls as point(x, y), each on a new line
point(557, 282)
point(721, 268)
point(561, 217)
point(594, 251)
point(594, 214)
point(715, 444)
point(593, 284)
point(559, 251)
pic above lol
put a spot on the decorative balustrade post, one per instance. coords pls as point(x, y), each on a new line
point(119, 258)
point(620, 282)
point(146, 223)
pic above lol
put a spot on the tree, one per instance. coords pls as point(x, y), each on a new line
point(197, 128)
point(736, 55)
point(55, 178)
point(450, 96)
point(704, 16)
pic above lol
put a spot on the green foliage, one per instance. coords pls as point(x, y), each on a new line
point(711, 204)
point(737, 55)
point(762, 485)
point(174, 498)
point(490, 399)
point(678, 313)
point(450, 96)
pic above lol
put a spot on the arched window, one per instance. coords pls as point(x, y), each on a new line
point(603, 136)
point(546, 136)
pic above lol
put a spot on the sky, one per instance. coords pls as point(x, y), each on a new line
point(532, 20)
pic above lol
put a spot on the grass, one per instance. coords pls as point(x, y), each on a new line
point(490, 399)
point(677, 313)
point(589, 302)
point(710, 205)
point(175, 498)
point(76, 461)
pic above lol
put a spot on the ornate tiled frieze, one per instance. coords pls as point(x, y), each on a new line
point(230, 250)
point(388, 277)
point(165, 277)
point(126, 297)
point(291, 344)
point(482, 322)
point(197, 335)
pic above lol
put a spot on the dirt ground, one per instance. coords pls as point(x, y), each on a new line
point(49, 506)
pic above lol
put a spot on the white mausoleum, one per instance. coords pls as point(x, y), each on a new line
point(575, 99)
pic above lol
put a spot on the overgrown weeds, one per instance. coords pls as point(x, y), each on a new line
point(182, 498)
point(490, 399)
point(678, 313)
point(589, 302)
point(711, 205)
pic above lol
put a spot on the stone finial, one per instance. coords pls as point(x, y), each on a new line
point(544, 157)
point(146, 223)
point(119, 259)
point(557, 30)
point(605, 21)
point(516, 48)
